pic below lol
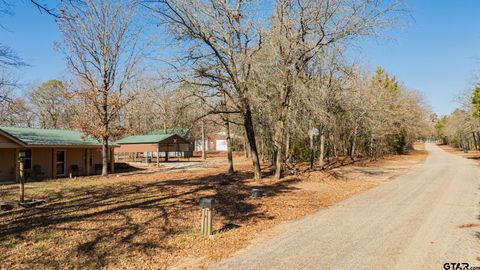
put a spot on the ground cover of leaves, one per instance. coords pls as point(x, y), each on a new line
point(151, 220)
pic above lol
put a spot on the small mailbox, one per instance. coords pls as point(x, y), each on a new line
point(207, 202)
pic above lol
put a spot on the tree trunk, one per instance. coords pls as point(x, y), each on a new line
point(372, 154)
point(248, 124)
point(246, 145)
point(204, 156)
point(106, 135)
point(273, 165)
point(354, 139)
point(475, 141)
point(262, 151)
point(105, 156)
point(278, 142)
point(478, 139)
point(312, 154)
point(287, 149)
point(334, 146)
point(278, 160)
point(230, 169)
point(322, 150)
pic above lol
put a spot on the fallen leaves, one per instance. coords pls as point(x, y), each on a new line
point(151, 221)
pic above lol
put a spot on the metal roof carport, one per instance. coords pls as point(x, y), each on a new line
point(153, 143)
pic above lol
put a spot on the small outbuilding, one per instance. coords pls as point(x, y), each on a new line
point(213, 142)
point(48, 153)
point(154, 147)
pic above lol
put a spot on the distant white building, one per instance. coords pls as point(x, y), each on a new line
point(214, 142)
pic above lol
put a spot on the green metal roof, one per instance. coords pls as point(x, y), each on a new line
point(144, 139)
point(182, 132)
point(37, 136)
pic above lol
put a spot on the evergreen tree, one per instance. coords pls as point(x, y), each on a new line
point(476, 102)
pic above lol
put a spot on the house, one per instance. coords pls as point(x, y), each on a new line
point(48, 153)
point(153, 146)
point(213, 142)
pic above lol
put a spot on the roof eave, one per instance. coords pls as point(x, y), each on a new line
point(13, 138)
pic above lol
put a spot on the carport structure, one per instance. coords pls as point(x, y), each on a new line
point(161, 145)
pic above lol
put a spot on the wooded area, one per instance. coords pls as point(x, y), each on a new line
point(280, 85)
point(461, 129)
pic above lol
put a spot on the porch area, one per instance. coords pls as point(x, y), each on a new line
point(50, 163)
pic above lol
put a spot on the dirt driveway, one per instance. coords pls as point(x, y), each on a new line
point(420, 220)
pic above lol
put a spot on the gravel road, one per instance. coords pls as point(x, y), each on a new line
point(421, 220)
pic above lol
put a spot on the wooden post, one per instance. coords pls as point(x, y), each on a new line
point(206, 227)
point(209, 222)
point(22, 180)
point(158, 155)
point(112, 160)
point(202, 223)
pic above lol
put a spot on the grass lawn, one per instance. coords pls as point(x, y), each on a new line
point(151, 221)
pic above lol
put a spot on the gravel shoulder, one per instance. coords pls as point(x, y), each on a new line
point(420, 220)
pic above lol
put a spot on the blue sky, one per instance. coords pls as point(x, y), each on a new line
point(435, 54)
point(32, 35)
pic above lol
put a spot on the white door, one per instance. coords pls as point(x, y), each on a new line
point(221, 145)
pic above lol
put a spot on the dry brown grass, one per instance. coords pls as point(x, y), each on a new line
point(150, 221)
point(472, 154)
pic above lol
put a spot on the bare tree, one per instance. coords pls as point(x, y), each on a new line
point(8, 57)
point(302, 30)
point(224, 39)
point(101, 46)
point(14, 110)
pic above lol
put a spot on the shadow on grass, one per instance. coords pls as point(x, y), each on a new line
point(121, 167)
point(104, 222)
